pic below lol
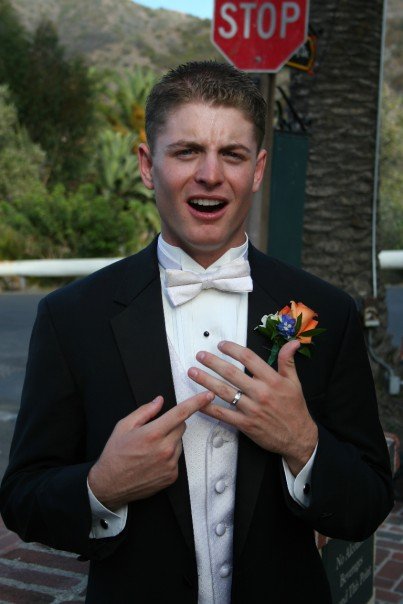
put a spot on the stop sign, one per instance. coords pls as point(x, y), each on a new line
point(259, 36)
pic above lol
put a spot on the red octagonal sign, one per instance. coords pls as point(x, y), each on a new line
point(259, 36)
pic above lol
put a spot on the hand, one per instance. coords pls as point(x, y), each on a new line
point(272, 410)
point(142, 453)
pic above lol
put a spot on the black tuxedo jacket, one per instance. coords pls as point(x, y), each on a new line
point(98, 350)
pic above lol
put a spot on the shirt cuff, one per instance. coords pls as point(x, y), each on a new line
point(299, 486)
point(105, 523)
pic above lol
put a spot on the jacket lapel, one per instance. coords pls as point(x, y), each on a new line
point(253, 461)
point(140, 334)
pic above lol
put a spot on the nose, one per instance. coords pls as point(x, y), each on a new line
point(209, 171)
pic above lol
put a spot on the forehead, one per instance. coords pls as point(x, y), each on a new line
point(198, 120)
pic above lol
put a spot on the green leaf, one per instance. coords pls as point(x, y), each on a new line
point(274, 353)
point(313, 332)
point(263, 331)
point(305, 351)
point(281, 340)
point(269, 330)
point(298, 324)
point(271, 327)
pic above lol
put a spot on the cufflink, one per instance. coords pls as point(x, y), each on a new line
point(307, 488)
point(104, 523)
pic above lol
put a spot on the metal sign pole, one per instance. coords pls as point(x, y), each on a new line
point(258, 222)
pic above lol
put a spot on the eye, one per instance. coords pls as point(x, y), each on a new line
point(187, 152)
point(233, 155)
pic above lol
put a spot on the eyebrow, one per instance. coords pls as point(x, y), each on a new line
point(184, 143)
point(194, 145)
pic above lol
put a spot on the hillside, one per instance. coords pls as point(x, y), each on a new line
point(121, 33)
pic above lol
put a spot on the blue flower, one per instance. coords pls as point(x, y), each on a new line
point(286, 326)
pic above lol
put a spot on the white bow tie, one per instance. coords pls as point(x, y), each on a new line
point(182, 286)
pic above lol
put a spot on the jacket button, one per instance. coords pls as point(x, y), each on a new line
point(104, 523)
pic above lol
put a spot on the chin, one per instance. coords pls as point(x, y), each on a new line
point(212, 245)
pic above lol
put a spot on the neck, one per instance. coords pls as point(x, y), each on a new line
point(205, 258)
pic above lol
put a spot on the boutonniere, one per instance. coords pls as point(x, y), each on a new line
point(295, 322)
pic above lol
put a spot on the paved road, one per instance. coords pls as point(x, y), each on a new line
point(17, 314)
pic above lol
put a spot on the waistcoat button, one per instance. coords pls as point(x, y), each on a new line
point(220, 486)
point(220, 529)
point(225, 571)
point(218, 442)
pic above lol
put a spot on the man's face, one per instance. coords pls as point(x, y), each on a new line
point(205, 168)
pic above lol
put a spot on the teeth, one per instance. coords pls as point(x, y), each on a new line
point(206, 202)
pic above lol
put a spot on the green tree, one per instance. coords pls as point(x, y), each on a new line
point(391, 183)
point(121, 103)
point(71, 224)
point(21, 161)
point(123, 100)
point(57, 105)
point(14, 48)
point(116, 168)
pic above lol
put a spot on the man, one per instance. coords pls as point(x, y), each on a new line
point(98, 470)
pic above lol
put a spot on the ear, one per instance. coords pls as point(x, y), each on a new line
point(259, 169)
point(145, 165)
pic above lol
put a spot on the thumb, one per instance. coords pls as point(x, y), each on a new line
point(286, 361)
point(144, 413)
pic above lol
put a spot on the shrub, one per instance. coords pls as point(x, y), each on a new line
point(79, 224)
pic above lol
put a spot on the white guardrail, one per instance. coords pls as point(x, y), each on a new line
point(391, 259)
point(74, 267)
point(79, 267)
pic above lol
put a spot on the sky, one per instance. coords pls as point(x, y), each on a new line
point(199, 8)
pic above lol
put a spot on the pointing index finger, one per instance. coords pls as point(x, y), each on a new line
point(182, 411)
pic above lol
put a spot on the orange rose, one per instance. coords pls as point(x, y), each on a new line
point(308, 322)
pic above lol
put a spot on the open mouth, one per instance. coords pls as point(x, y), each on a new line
point(207, 205)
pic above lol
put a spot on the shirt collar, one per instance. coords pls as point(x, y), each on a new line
point(173, 257)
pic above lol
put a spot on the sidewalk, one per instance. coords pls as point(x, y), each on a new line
point(389, 558)
point(34, 574)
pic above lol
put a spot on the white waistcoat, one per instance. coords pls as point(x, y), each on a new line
point(210, 447)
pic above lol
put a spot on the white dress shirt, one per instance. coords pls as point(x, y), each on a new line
point(210, 447)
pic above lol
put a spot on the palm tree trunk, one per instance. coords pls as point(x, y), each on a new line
point(341, 103)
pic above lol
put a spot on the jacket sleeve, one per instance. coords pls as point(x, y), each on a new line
point(351, 484)
point(44, 496)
